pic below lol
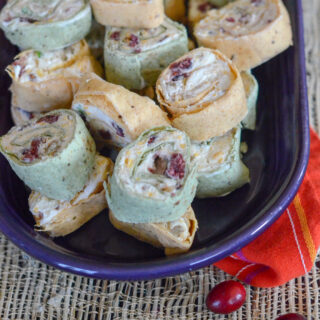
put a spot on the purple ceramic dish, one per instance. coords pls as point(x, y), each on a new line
point(277, 158)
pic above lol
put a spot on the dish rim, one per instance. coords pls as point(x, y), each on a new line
point(87, 266)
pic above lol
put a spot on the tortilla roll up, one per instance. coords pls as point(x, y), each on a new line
point(59, 218)
point(115, 115)
point(45, 81)
point(219, 165)
point(135, 58)
point(174, 237)
point(45, 25)
point(248, 32)
point(132, 14)
point(203, 93)
point(251, 88)
point(152, 180)
point(53, 154)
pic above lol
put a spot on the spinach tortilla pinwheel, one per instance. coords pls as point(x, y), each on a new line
point(248, 32)
point(134, 58)
point(53, 154)
point(59, 218)
point(203, 92)
point(219, 165)
point(152, 180)
point(251, 88)
point(129, 13)
point(175, 236)
point(175, 9)
point(115, 116)
point(45, 81)
point(47, 24)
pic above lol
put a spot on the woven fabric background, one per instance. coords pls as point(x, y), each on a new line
point(32, 290)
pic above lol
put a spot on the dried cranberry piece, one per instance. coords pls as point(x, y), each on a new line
point(204, 7)
point(33, 152)
point(104, 134)
point(182, 64)
point(137, 50)
point(151, 139)
point(230, 19)
point(119, 131)
point(133, 40)
point(177, 166)
point(115, 35)
point(51, 118)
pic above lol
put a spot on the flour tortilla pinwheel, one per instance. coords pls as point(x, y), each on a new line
point(248, 32)
point(134, 58)
point(45, 25)
point(174, 237)
point(152, 180)
point(59, 218)
point(129, 13)
point(45, 81)
point(115, 115)
point(203, 92)
point(219, 165)
point(53, 154)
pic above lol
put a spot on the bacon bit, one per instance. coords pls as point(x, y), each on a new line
point(33, 152)
point(119, 131)
point(160, 166)
point(106, 135)
point(133, 40)
point(51, 118)
point(115, 35)
point(151, 139)
point(204, 7)
point(177, 166)
point(230, 19)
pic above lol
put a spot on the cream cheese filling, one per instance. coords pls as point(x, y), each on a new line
point(139, 171)
point(39, 140)
point(238, 19)
point(32, 11)
point(205, 80)
point(141, 40)
point(179, 228)
point(211, 155)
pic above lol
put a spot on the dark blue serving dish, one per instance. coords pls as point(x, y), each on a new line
point(277, 158)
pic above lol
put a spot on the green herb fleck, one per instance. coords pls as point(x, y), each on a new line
point(39, 54)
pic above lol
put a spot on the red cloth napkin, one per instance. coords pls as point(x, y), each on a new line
point(289, 247)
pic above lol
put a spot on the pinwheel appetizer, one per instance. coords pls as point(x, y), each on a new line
point(134, 58)
point(115, 115)
point(152, 180)
point(219, 165)
point(132, 14)
point(249, 32)
point(203, 93)
point(175, 9)
point(251, 88)
point(198, 9)
point(175, 236)
point(47, 81)
point(53, 154)
point(45, 25)
point(20, 116)
point(95, 40)
point(59, 218)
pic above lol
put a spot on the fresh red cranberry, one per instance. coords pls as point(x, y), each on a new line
point(51, 118)
point(33, 152)
point(133, 40)
point(115, 35)
point(204, 7)
point(230, 19)
point(291, 316)
point(176, 166)
point(119, 131)
point(226, 297)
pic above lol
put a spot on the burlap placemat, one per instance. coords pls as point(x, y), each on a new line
point(32, 290)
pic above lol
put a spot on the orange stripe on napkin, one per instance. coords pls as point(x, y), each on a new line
point(288, 249)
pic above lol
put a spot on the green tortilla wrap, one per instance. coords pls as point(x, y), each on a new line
point(219, 165)
point(53, 154)
point(251, 88)
point(134, 58)
point(152, 179)
point(45, 25)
